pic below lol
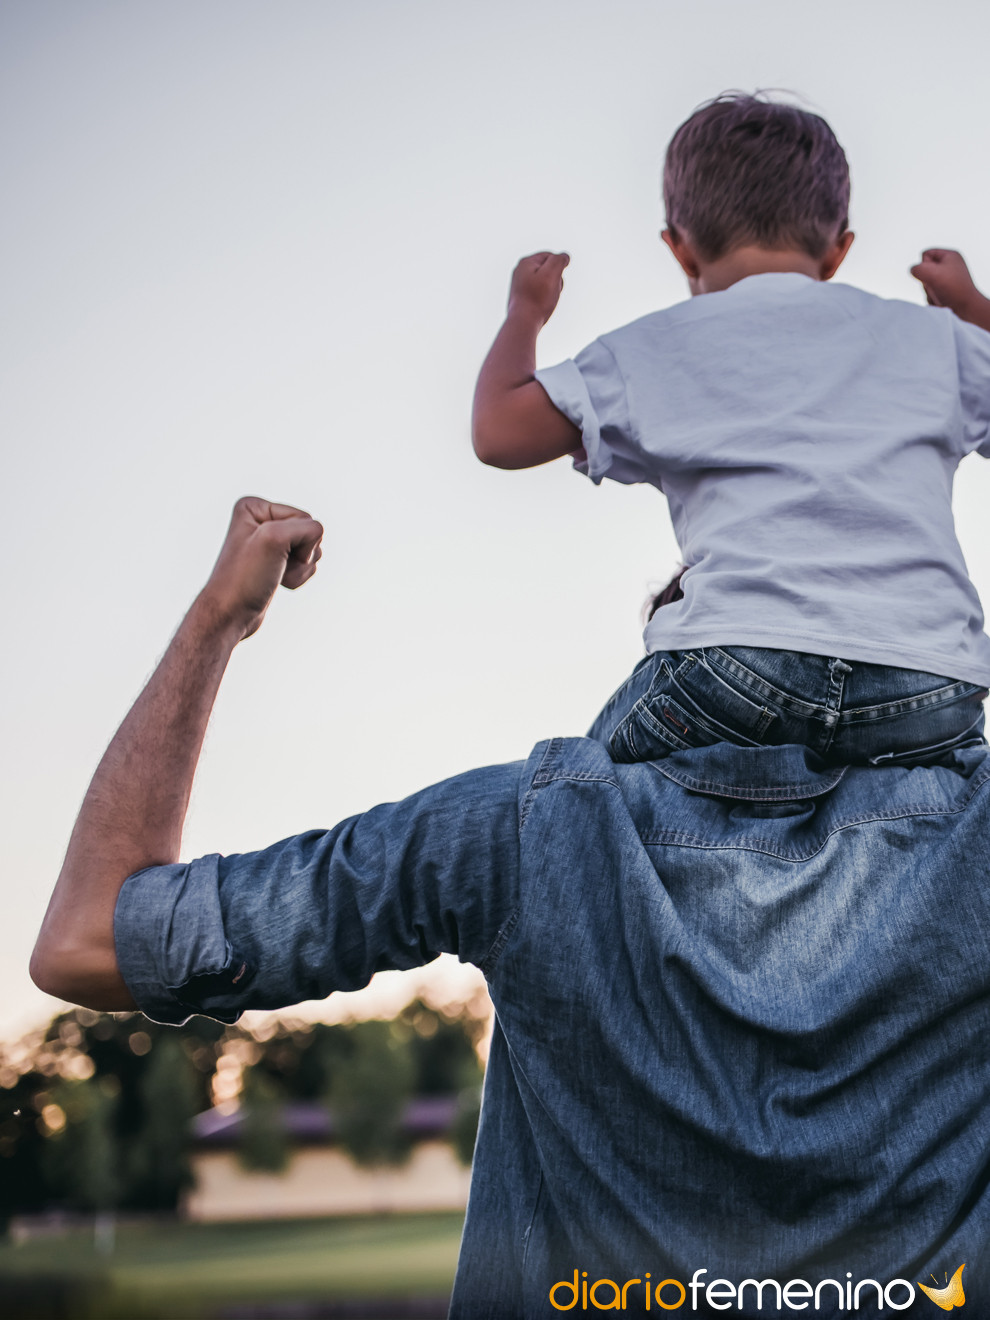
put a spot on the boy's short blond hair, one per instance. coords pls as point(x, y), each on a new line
point(746, 169)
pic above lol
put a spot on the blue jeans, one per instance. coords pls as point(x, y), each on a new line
point(848, 712)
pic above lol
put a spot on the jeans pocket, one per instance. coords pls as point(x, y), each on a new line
point(657, 726)
point(727, 704)
point(686, 705)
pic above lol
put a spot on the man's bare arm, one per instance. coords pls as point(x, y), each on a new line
point(514, 424)
point(134, 810)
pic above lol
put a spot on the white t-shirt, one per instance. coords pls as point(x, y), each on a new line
point(805, 435)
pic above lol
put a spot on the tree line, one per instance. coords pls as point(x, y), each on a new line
point(96, 1110)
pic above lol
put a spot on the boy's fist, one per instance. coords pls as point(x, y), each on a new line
point(536, 284)
point(946, 280)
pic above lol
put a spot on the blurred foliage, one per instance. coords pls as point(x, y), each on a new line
point(264, 1141)
point(442, 1047)
point(170, 1094)
point(368, 1095)
point(464, 1129)
point(366, 1072)
point(96, 1109)
point(81, 1161)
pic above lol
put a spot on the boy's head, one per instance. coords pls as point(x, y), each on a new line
point(744, 170)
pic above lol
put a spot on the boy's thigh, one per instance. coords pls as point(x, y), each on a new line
point(909, 716)
point(684, 704)
point(624, 698)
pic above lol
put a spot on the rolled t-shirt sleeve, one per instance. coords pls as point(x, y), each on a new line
point(390, 889)
point(591, 392)
point(973, 357)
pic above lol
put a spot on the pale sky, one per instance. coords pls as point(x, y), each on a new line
point(262, 248)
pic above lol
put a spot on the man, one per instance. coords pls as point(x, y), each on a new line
point(740, 1060)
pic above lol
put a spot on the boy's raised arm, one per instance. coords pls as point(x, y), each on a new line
point(514, 424)
point(948, 283)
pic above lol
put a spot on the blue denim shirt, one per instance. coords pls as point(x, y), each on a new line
point(743, 1011)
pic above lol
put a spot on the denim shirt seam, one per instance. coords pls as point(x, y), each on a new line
point(528, 1234)
point(584, 776)
point(487, 965)
point(754, 793)
point(541, 776)
point(547, 772)
point(756, 843)
point(551, 753)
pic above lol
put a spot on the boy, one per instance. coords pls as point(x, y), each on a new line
point(805, 436)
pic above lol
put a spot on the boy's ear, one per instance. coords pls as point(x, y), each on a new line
point(836, 254)
point(681, 247)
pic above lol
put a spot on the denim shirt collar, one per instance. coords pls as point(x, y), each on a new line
point(755, 774)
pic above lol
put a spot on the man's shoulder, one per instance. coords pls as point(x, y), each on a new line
point(570, 758)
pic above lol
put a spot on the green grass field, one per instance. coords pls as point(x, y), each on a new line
point(200, 1271)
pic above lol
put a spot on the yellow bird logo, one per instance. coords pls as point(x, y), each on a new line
point(951, 1295)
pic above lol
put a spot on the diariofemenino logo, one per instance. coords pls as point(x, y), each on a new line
point(644, 1294)
point(949, 1296)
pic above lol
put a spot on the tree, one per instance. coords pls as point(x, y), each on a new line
point(368, 1094)
point(264, 1141)
point(83, 1159)
point(23, 1188)
point(443, 1048)
point(89, 1082)
point(159, 1152)
point(463, 1131)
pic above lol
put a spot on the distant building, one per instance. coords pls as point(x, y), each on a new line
point(321, 1178)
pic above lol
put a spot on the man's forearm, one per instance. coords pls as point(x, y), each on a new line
point(133, 812)
point(514, 423)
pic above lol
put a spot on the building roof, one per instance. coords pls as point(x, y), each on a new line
point(308, 1122)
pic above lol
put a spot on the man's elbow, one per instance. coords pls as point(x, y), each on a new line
point(54, 970)
point(86, 977)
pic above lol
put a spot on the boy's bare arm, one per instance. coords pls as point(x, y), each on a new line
point(514, 423)
point(948, 283)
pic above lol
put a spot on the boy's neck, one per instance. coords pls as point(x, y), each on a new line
point(748, 259)
point(741, 262)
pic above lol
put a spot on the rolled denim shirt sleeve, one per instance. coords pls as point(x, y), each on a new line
point(591, 392)
point(390, 889)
